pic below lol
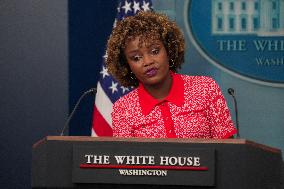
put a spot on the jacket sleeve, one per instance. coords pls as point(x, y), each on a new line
point(219, 114)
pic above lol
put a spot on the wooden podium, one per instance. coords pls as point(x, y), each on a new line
point(106, 162)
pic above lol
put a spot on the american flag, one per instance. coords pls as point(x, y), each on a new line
point(108, 89)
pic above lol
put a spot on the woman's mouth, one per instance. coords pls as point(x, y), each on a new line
point(151, 72)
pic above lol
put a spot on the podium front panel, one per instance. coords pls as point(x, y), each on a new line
point(86, 162)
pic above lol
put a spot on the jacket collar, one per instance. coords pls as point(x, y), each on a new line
point(176, 95)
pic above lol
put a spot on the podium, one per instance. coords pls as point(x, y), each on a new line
point(106, 162)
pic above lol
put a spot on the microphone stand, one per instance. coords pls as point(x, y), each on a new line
point(232, 92)
point(93, 90)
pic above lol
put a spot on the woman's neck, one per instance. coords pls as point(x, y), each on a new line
point(160, 90)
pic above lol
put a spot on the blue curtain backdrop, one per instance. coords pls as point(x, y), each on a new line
point(90, 23)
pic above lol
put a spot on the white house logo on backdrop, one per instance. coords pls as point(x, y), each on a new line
point(242, 37)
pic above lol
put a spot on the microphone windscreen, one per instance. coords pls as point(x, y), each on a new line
point(231, 91)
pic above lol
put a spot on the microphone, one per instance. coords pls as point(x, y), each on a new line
point(231, 92)
point(93, 91)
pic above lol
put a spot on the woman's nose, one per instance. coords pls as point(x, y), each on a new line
point(148, 60)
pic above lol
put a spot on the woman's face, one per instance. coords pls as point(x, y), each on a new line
point(150, 64)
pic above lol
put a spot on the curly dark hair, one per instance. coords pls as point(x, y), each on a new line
point(148, 26)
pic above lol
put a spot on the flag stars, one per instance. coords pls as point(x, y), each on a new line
point(105, 56)
point(124, 89)
point(104, 72)
point(113, 87)
point(145, 6)
point(136, 7)
point(118, 8)
point(127, 7)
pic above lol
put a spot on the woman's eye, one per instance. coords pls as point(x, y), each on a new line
point(135, 58)
point(155, 51)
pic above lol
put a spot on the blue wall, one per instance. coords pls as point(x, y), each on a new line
point(33, 82)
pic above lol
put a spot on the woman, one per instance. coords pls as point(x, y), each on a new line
point(144, 51)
